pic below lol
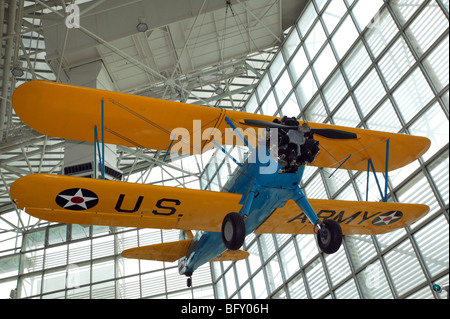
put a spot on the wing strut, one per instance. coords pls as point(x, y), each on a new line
point(386, 177)
point(101, 154)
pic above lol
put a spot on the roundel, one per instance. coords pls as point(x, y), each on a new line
point(387, 218)
point(77, 199)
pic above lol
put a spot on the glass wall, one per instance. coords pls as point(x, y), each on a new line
point(380, 65)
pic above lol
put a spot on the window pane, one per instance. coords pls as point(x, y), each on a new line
point(269, 106)
point(427, 27)
point(366, 13)
point(324, 64)
point(307, 247)
point(439, 171)
point(396, 62)
point(373, 282)
point(289, 260)
point(298, 64)
point(297, 288)
point(356, 63)
point(54, 280)
point(346, 115)
point(347, 291)
point(291, 106)
point(316, 279)
point(361, 249)
point(344, 37)
point(404, 9)
point(267, 246)
point(291, 43)
point(263, 87)
point(418, 190)
point(434, 125)
point(337, 265)
point(306, 88)
point(252, 104)
point(283, 87)
point(369, 92)
point(259, 285)
point(315, 40)
point(34, 240)
point(254, 259)
point(231, 282)
point(307, 19)
point(385, 119)
point(380, 35)
point(413, 94)
point(276, 66)
point(333, 14)
point(404, 268)
point(432, 241)
point(437, 64)
point(316, 111)
point(57, 234)
point(335, 90)
point(274, 274)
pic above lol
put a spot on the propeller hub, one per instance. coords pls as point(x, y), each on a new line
point(294, 144)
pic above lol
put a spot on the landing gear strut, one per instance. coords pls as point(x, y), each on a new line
point(329, 236)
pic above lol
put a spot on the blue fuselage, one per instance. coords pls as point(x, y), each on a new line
point(261, 193)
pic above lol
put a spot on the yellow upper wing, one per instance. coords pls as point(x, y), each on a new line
point(369, 218)
point(72, 112)
point(86, 201)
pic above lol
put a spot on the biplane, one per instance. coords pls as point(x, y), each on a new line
point(262, 196)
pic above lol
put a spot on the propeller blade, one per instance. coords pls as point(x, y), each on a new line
point(325, 132)
point(260, 123)
point(335, 134)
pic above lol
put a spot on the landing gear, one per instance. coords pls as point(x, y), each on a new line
point(189, 279)
point(329, 236)
point(233, 231)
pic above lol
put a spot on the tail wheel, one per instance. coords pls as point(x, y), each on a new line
point(233, 231)
point(329, 236)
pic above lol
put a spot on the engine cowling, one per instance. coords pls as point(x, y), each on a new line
point(293, 146)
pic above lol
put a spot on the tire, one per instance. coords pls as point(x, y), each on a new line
point(233, 231)
point(330, 236)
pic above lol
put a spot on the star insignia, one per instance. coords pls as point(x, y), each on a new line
point(387, 218)
point(77, 199)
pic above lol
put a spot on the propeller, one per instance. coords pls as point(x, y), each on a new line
point(325, 132)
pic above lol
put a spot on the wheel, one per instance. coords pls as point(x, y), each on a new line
point(330, 236)
point(189, 282)
point(233, 231)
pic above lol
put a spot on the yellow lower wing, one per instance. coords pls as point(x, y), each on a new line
point(354, 217)
point(85, 201)
point(72, 112)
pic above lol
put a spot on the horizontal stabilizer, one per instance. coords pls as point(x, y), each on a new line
point(232, 255)
point(168, 252)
